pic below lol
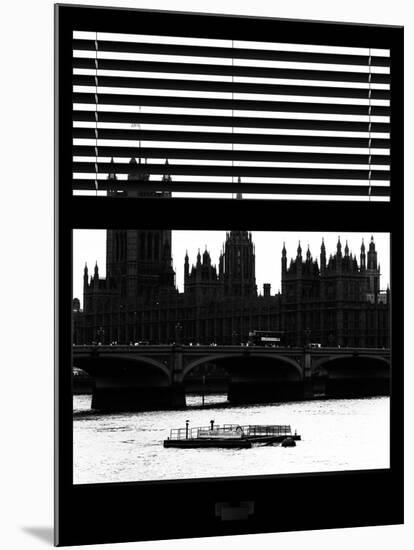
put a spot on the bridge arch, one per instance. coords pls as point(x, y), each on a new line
point(222, 357)
point(90, 363)
point(352, 375)
point(339, 360)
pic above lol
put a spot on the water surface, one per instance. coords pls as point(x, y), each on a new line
point(337, 434)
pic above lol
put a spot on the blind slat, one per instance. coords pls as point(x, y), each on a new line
point(228, 87)
point(222, 70)
point(218, 154)
point(226, 187)
point(247, 171)
point(237, 53)
point(236, 138)
point(248, 122)
point(236, 105)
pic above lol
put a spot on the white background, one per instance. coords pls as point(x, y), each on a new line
point(26, 270)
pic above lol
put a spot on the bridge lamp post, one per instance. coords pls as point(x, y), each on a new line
point(157, 303)
point(134, 332)
point(308, 333)
point(120, 322)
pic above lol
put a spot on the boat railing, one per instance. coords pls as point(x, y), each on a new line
point(253, 430)
point(250, 430)
point(191, 433)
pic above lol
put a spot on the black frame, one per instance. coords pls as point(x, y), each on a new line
point(116, 512)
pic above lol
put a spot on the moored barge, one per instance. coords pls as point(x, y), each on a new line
point(229, 436)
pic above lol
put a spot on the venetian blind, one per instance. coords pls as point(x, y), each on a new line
point(229, 118)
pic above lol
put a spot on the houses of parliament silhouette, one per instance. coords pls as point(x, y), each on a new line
point(335, 302)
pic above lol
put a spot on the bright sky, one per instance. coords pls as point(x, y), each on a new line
point(89, 246)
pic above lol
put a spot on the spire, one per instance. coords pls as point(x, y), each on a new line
point(372, 255)
point(323, 255)
point(308, 254)
point(166, 178)
point(186, 265)
point(85, 275)
point(299, 251)
point(111, 171)
point(339, 247)
point(206, 257)
point(284, 259)
point(134, 169)
point(346, 249)
point(239, 196)
point(96, 271)
point(198, 258)
point(362, 256)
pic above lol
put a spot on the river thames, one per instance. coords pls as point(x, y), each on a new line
point(337, 435)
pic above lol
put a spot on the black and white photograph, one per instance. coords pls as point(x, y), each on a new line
point(201, 354)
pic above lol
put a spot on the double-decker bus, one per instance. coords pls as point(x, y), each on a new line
point(273, 338)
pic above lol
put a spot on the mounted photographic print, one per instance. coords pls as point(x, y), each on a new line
point(229, 303)
point(206, 362)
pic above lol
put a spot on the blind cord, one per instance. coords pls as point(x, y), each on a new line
point(369, 125)
point(96, 113)
point(232, 116)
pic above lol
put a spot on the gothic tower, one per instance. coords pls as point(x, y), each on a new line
point(239, 265)
point(139, 262)
point(372, 270)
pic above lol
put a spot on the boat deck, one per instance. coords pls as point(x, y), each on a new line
point(229, 436)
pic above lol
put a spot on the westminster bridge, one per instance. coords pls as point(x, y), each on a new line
point(149, 377)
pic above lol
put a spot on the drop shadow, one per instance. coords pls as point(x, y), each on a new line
point(42, 533)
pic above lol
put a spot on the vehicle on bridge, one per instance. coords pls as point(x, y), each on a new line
point(270, 338)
